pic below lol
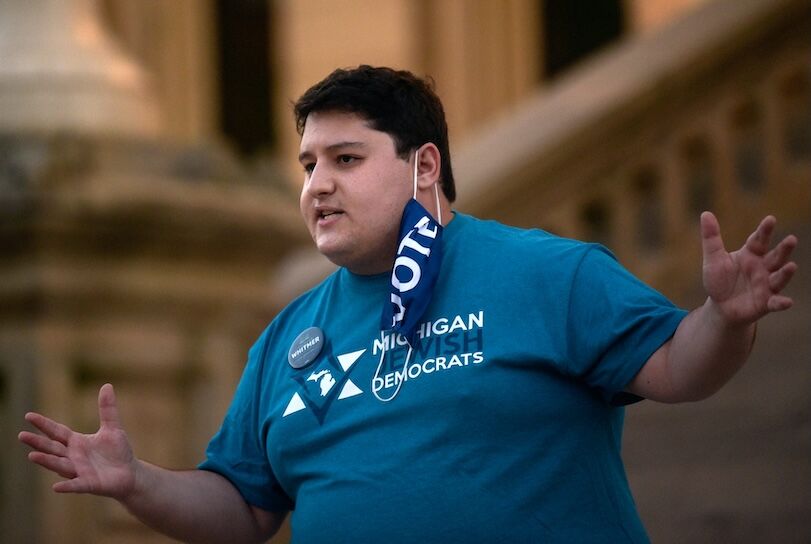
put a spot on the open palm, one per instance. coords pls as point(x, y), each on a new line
point(101, 463)
point(746, 284)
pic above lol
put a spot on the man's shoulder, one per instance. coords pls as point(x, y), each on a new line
point(313, 294)
point(490, 232)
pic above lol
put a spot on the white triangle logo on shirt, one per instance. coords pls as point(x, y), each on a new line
point(348, 359)
point(295, 405)
point(349, 390)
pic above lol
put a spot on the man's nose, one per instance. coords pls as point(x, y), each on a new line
point(321, 181)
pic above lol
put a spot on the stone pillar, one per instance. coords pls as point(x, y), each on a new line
point(61, 72)
point(124, 258)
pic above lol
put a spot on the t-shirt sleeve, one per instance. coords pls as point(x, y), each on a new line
point(238, 450)
point(614, 324)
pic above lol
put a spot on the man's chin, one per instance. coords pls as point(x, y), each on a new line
point(336, 255)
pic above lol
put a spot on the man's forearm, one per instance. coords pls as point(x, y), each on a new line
point(707, 351)
point(704, 353)
point(196, 506)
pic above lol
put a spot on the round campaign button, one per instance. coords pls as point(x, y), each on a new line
point(305, 348)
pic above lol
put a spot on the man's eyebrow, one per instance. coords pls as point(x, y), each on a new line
point(332, 147)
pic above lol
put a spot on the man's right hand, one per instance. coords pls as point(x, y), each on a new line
point(190, 505)
point(100, 463)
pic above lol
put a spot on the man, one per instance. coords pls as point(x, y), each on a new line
point(456, 380)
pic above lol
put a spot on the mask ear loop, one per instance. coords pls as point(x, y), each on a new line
point(399, 385)
point(438, 209)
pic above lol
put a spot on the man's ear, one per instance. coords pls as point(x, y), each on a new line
point(429, 167)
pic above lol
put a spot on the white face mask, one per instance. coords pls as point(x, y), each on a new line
point(414, 275)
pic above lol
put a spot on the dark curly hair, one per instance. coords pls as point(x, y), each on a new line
point(393, 101)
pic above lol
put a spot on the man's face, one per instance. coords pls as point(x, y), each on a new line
point(355, 188)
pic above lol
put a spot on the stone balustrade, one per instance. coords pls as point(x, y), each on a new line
point(721, 123)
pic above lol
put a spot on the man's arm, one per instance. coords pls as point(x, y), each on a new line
point(193, 506)
point(198, 506)
point(712, 343)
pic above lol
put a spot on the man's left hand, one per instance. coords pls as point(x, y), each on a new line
point(746, 284)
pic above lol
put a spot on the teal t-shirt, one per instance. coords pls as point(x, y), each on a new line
point(506, 426)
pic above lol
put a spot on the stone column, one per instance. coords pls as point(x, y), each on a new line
point(60, 71)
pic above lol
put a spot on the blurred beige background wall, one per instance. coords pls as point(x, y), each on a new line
point(149, 226)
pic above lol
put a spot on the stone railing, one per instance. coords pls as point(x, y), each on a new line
point(712, 113)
